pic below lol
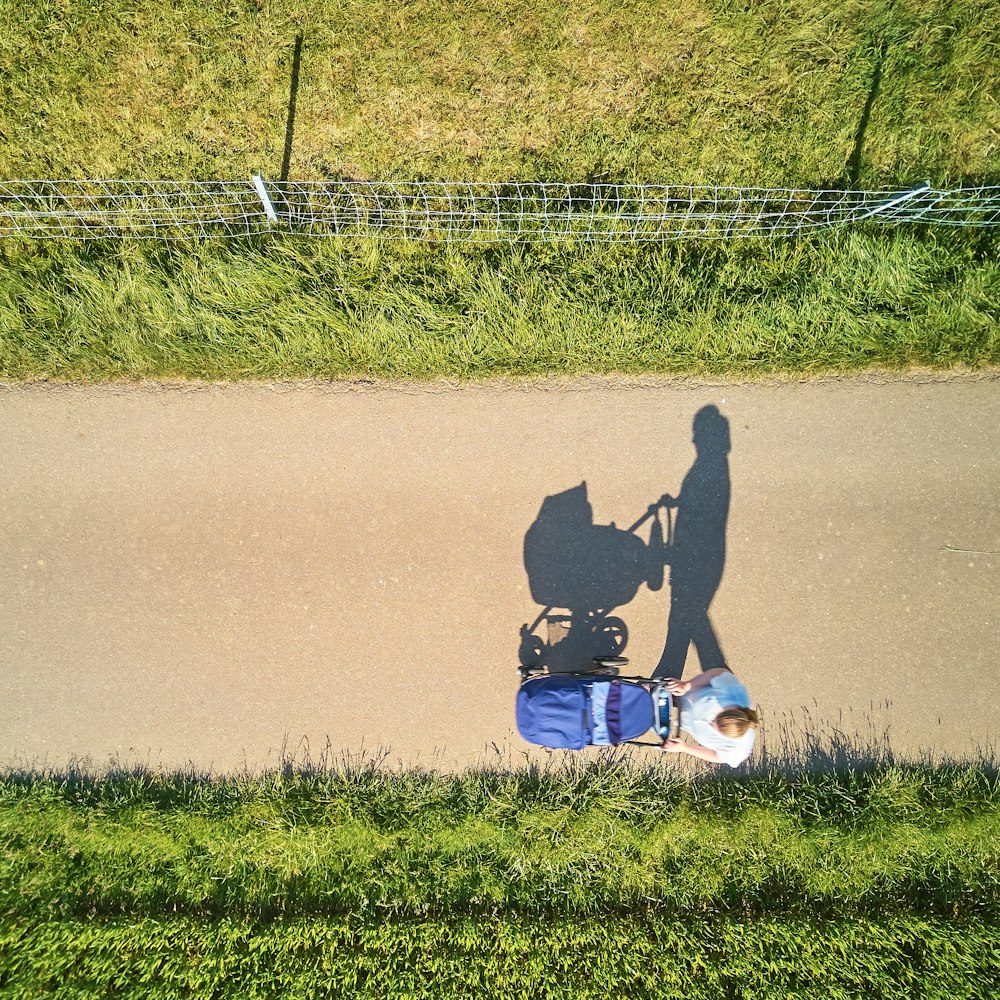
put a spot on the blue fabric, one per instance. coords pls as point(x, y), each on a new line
point(600, 737)
point(552, 712)
point(568, 713)
point(622, 711)
point(613, 710)
point(633, 711)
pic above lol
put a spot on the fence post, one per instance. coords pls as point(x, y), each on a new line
point(258, 183)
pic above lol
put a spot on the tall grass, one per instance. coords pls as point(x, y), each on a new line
point(701, 91)
point(583, 841)
point(574, 880)
point(292, 308)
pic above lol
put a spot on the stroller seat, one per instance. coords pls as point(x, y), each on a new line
point(569, 712)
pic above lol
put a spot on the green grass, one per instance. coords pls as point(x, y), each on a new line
point(578, 843)
point(597, 880)
point(700, 91)
point(770, 959)
point(557, 882)
point(290, 308)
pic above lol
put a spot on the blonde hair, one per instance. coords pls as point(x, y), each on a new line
point(734, 722)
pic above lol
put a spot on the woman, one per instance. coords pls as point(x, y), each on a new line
point(715, 711)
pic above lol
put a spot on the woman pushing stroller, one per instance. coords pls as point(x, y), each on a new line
point(715, 712)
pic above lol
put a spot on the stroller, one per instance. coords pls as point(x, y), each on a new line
point(592, 708)
point(589, 569)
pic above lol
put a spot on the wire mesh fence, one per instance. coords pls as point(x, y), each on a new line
point(456, 210)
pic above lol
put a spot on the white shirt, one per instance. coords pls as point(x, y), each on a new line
point(701, 706)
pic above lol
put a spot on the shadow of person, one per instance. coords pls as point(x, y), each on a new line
point(587, 569)
point(698, 553)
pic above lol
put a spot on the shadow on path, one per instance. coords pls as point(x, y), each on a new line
point(588, 570)
point(580, 571)
point(698, 554)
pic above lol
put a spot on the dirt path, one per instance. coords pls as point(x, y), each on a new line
point(206, 573)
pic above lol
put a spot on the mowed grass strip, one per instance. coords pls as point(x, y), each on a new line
point(696, 91)
point(775, 957)
point(583, 841)
point(286, 308)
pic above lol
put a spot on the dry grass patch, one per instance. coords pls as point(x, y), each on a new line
point(703, 91)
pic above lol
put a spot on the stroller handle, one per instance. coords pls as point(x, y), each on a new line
point(666, 722)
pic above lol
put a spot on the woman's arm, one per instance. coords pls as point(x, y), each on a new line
point(704, 678)
point(694, 749)
point(684, 687)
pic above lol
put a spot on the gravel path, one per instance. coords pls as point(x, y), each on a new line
point(206, 573)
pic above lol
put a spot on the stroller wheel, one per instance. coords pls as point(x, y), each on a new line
point(608, 665)
point(611, 661)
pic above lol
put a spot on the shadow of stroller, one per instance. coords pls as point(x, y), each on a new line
point(587, 569)
point(698, 553)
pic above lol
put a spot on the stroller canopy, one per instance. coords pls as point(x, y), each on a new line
point(569, 713)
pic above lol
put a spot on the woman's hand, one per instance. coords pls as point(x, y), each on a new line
point(678, 687)
point(674, 746)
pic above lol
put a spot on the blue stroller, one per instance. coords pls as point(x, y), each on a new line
point(597, 708)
